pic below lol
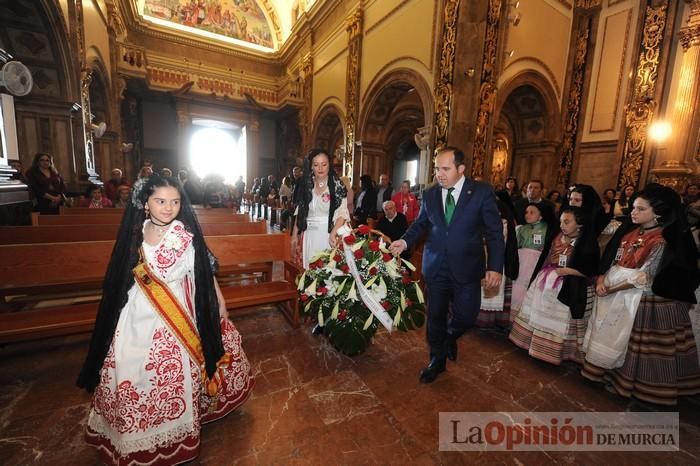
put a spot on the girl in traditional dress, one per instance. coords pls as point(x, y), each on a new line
point(495, 309)
point(532, 238)
point(163, 358)
point(640, 339)
point(322, 209)
point(552, 321)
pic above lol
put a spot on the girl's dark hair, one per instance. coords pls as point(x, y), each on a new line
point(336, 188)
point(119, 279)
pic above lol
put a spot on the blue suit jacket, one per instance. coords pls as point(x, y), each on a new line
point(460, 244)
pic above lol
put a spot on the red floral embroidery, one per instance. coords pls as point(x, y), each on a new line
point(129, 409)
point(165, 256)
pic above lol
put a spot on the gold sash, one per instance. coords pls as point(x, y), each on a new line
point(179, 322)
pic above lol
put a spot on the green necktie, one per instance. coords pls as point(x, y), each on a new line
point(449, 206)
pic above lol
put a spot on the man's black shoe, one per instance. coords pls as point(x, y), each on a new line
point(431, 372)
point(451, 349)
point(317, 330)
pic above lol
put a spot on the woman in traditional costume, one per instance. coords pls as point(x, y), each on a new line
point(552, 321)
point(532, 238)
point(163, 358)
point(640, 339)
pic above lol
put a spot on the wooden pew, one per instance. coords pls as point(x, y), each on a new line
point(71, 233)
point(87, 211)
point(111, 219)
point(28, 268)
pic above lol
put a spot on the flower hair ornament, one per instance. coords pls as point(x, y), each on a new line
point(136, 194)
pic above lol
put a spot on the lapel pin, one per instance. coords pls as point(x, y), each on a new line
point(469, 192)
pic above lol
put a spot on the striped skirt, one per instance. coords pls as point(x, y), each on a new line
point(661, 363)
point(495, 311)
point(542, 342)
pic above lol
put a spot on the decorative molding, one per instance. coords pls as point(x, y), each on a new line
point(566, 3)
point(274, 19)
point(690, 35)
point(550, 73)
point(443, 93)
point(305, 124)
point(391, 12)
point(487, 89)
point(587, 4)
point(640, 111)
point(573, 106)
point(620, 75)
point(353, 26)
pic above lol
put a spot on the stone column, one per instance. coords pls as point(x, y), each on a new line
point(305, 117)
point(252, 133)
point(425, 163)
point(352, 86)
point(183, 134)
point(678, 161)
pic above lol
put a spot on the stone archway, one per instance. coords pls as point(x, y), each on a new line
point(328, 134)
point(396, 106)
point(527, 134)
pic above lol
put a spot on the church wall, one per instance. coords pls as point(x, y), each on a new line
point(398, 34)
point(330, 67)
point(96, 35)
point(540, 42)
point(597, 162)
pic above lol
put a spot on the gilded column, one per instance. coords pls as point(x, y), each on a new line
point(305, 116)
point(352, 94)
point(252, 134)
point(584, 16)
point(682, 151)
point(487, 88)
point(183, 134)
point(640, 110)
point(443, 93)
point(85, 79)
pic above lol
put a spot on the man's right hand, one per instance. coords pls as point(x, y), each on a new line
point(397, 247)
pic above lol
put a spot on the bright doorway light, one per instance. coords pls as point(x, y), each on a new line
point(213, 150)
point(412, 171)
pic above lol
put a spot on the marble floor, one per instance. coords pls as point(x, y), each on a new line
point(314, 406)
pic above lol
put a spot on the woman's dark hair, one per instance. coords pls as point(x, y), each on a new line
point(610, 190)
point(35, 162)
point(551, 193)
point(119, 279)
point(336, 189)
point(516, 188)
point(577, 212)
point(623, 196)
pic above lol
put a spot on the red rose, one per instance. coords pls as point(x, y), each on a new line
point(342, 315)
point(359, 254)
point(364, 229)
point(350, 239)
point(321, 290)
point(406, 280)
point(374, 246)
point(345, 268)
point(386, 256)
point(386, 305)
point(319, 263)
point(373, 271)
point(304, 298)
point(337, 257)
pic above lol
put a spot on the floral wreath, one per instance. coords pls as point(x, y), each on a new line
point(330, 294)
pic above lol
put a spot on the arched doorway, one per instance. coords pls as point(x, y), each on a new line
point(397, 105)
point(328, 134)
point(527, 134)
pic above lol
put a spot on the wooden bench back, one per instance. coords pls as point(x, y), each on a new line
point(111, 219)
point(71, 233)
point(27, 265)
point(199, 210)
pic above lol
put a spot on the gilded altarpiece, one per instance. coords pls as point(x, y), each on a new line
point(640, 110)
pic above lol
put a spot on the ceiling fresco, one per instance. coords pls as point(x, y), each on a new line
point(235, 21)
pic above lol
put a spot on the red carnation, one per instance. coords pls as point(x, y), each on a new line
point(350, 239)
point(304, 297)
point(406, 280)
point(337, 257)
point(386, 305)
point(321, 290)
point(359, 254)
point(373, 271)
point(345, 268)
point(374, 246)
point(364, 229)
point(386, 256)
point(342, 315)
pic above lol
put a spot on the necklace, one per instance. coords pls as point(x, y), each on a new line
point(643, 230)
point(322, 184)
point(159, 229)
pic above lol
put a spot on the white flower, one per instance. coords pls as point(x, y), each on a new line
point(173, 242)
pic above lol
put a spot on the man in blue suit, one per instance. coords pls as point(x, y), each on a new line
point(457, 215)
